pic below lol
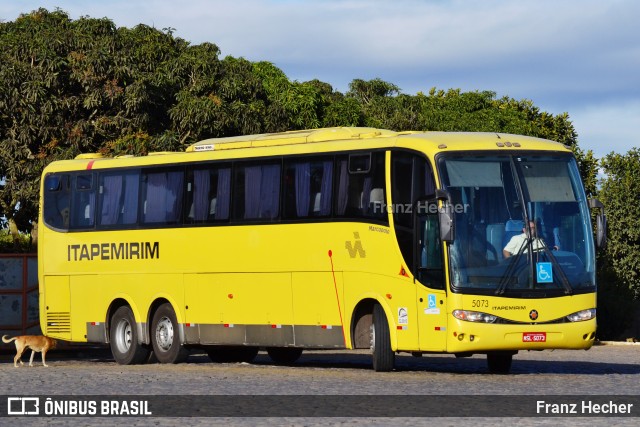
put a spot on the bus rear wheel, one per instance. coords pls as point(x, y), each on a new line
point(123, 337)
point(231, 353)
point(383, 355)
point(284, 355)
point(499, 362)
point(165, 337)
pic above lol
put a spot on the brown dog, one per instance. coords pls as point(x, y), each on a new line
point(37, 343)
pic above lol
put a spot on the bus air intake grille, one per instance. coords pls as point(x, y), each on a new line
point(59, 323)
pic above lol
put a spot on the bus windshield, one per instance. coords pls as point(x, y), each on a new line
point(522, 225)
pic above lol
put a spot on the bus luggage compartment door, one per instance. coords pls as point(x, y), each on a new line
point(55, 315)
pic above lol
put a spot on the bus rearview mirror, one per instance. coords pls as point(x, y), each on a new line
point(447, 230)
point(601, 223)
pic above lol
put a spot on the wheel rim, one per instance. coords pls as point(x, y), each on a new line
point(123, 336)
point(164, 334)
point(372, 342)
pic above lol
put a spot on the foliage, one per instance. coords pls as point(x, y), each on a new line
point(616, 304)
point(292, 105)
point(618, 272)
point(620, 193)
point(70, 87)
point(10, 245)
point(588, 166)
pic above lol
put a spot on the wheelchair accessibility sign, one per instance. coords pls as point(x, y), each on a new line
point(432, 307)
point(545, 272)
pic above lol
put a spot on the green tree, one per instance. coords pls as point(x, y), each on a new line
point(84, 86)
point(70, 87)
point(620, 193)
point(291, 105)
point(29, 99)
point(619, 264)
point(377, 100)
point(214, 98)
point(344, 111)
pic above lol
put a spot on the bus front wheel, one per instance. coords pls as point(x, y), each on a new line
point(165, 337)
point(383, 355)
point(123, 335)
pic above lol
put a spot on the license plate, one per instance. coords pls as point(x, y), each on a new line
point(534, 337)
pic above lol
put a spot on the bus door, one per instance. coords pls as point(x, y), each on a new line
point(419, 242)
point(430, 283)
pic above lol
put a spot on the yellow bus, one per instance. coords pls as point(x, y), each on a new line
point(337, 238)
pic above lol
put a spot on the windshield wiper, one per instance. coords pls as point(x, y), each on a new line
point(513, 263)
point(504, 280)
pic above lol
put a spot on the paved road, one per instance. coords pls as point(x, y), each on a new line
point(603, 370)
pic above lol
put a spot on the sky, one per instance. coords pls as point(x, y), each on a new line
point(581, 57)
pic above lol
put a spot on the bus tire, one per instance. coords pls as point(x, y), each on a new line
point(231, 353)
point(123, 337)
point(165, 337)
point(383, 356)
point(284, 355)
point(499, 362)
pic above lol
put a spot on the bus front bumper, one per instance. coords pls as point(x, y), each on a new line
point(472, 337)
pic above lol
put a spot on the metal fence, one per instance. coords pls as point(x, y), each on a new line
point(19, 310)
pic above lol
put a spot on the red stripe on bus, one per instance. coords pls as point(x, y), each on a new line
point(335, 286)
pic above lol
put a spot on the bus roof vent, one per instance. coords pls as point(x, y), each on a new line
point(89, 156)
point(160, 153)
point(289, 138)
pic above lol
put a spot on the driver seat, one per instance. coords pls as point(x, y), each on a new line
point(512, 227)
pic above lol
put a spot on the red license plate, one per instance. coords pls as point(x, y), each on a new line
point(534, 337)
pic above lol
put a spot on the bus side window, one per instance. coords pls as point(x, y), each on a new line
point(56, 201)
point(402, 199)
point(118, 198)
point(209, 194)
point(430, 271)
point(308, 184)
point(361, 186)
point(83, 202)
point(257, 191)
point(411, 180)
point(162, 194)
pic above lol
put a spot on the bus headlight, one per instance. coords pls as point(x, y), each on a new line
point(474, 316)
point(582, 315)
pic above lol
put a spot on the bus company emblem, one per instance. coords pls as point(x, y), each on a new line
point(533, 314)
point(355, 248)
point(113, 251)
